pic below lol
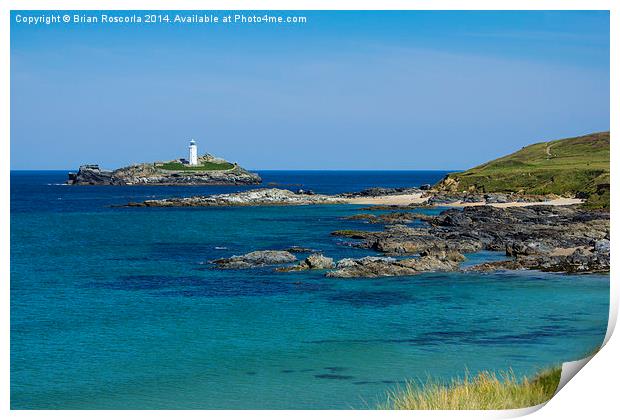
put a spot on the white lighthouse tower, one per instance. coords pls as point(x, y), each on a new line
point(193, 153)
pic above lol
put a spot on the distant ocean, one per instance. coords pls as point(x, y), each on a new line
point(115, 308)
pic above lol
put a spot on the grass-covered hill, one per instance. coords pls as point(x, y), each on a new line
point(577, 166)
point(206, 162)
point(203, 166)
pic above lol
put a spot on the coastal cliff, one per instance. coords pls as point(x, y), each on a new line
point(573, 167)
point(209, 171)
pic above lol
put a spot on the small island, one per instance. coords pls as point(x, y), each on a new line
point(196, 170)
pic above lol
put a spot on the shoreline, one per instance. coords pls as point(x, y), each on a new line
point(576, 241)
point(417, 199)
point(390, 200)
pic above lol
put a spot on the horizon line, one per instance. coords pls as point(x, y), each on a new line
point(285, 170)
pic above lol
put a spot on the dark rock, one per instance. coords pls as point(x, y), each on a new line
point(386, 218)
point(300, 250)
point(354, 234)
point(443, 253)
point(371, 218)
point(602, 246)
point(496, 198)
point(93, 175)
point(579, 261)
point(539, 236)
point(379, 192)
point(516, 248)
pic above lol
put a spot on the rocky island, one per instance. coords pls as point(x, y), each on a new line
point(197, 170)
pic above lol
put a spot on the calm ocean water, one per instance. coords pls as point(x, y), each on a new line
point(115, 308)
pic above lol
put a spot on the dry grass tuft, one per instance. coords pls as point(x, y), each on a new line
point(485, 391)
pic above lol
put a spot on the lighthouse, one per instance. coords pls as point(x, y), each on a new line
point(193, 153)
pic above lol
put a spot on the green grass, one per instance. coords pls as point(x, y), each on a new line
point(208, 166)
point(485, 391)
point(354, 234)
point(575, 166)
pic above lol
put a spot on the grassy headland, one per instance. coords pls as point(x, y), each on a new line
point(486, 391)
point(577, 166)
point(204, 166)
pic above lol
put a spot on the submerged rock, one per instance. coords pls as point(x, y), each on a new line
point(387, 218)
point(301, 250)
point(354, 234)
point(255, 259)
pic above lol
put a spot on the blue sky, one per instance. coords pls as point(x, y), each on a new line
point(346, 90)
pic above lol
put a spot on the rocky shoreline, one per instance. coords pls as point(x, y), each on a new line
point(270, 197)
point(255, 197)
point(547, 238)
point(553, 238)
point(564, 239)
point(378, 198)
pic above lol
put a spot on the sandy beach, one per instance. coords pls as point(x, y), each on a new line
point(396, 200)
point(407, 199)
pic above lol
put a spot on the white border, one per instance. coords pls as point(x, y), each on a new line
point(592, 394)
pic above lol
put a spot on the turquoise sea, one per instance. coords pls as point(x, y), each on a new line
point(115, 308)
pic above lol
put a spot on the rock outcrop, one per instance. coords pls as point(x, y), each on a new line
point(371, 267)
point(548, 238)
point(257, 197)
point(255, 259)
point(92, 175)
point(391, 218)
point(301, 250)
point(380, 192)
point(439, 198)
point(579, 260)
point(312, 262)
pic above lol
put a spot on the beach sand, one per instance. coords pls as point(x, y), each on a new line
point(407, 199)
point(387, 200)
